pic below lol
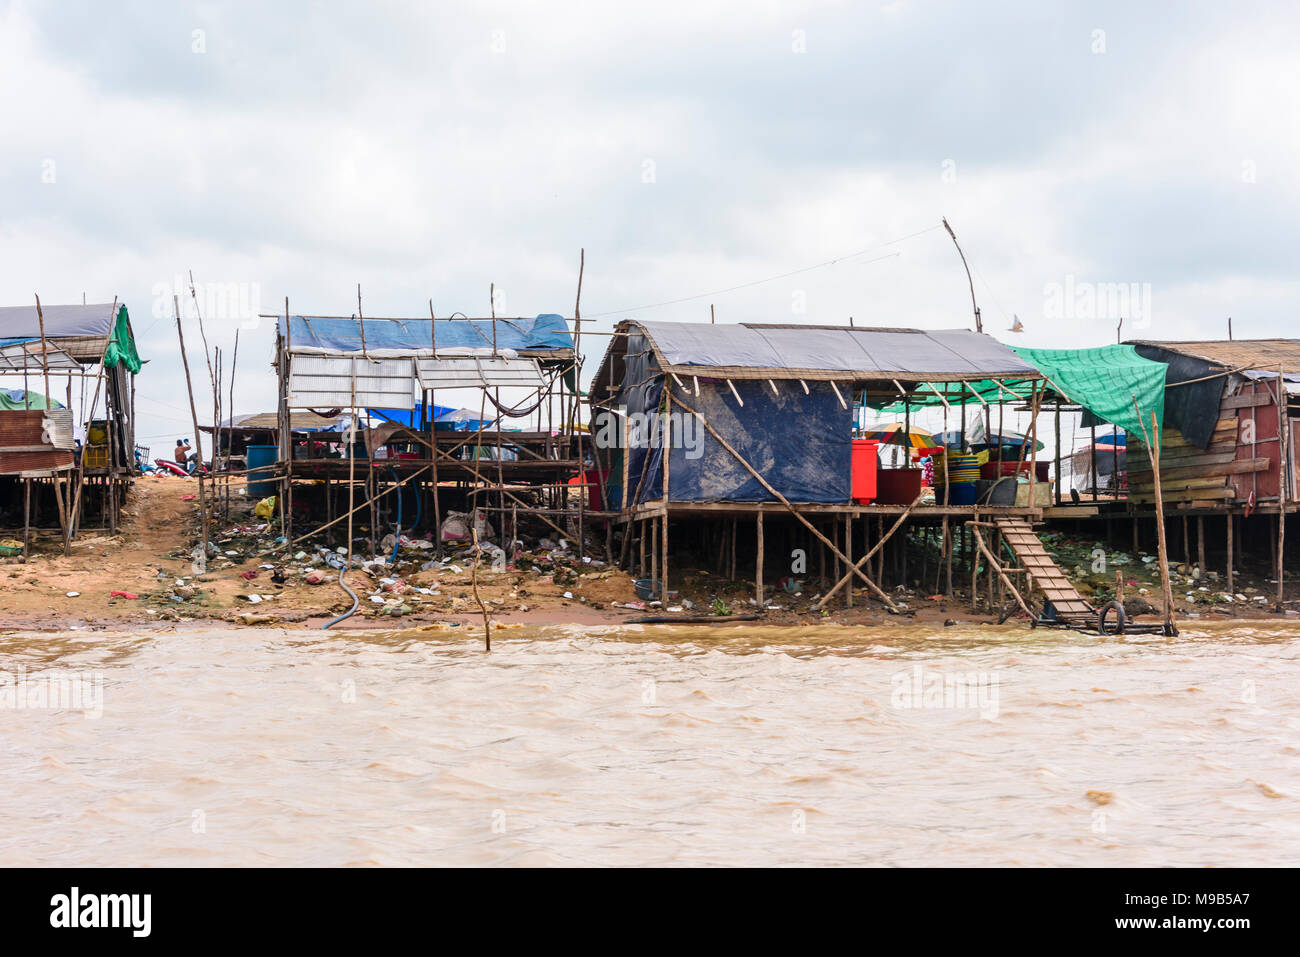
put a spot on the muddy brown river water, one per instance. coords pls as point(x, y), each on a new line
point(621, 746)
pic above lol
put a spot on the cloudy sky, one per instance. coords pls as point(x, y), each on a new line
point(428, 150)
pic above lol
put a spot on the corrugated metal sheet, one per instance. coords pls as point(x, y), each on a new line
point(15, 463)
point(269, 421)
point(35, 439)
point(324, 382)
point(475, 371)
point(27, 356)
point(57, 429)
point(31, 429)
point(1236, 353)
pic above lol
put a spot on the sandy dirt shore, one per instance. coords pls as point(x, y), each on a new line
point(152, 561)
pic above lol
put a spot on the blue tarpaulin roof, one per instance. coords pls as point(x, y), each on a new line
point(334, 335)
point(410, 417)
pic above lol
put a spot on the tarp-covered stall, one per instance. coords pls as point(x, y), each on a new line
point(393, 359)
point(76, 337)
point(780, 395)
point(545, 336)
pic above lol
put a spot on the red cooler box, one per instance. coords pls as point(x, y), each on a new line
point(865, 461)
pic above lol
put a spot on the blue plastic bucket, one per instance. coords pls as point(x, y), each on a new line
point(260, 484)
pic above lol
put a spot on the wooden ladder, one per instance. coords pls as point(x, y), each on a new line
point(1071, 607)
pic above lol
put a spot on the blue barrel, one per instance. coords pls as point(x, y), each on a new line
point(961, 493)
point(260, 484)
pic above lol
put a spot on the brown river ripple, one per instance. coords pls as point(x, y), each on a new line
point(614, 746)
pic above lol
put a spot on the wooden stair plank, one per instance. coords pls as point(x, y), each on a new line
point(1042, 570)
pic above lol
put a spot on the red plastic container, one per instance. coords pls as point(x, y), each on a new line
point(595, 481)
point(898, 486)
point(865, 465)
point(994, 469)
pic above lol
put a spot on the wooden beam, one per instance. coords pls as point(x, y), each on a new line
point(867, 557)
point(889, 602)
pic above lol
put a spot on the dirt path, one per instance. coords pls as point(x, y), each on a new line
point(154, 527)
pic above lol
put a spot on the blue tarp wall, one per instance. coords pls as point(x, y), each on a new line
point(801, 444)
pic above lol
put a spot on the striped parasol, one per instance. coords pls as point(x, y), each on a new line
point(895, 433)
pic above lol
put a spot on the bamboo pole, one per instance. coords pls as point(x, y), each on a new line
point(948, 550)
point(996, 566)
point(45, 356)
point(74, 499)
point(27, 515)
point(758, 561)
point(433, 438)
point(287, 427)
point(198, 440)
point(880, 542)
point(64, 517)
point(666, 448)
point(1230, 522)
point(473, 580)
point(848, 551)
point(1153, 454)
point(577, 409)
point(351, 438)
point(214, 381)
point(365, 504)
point(1283, 483)
point(229, 432)
point(1057, 496)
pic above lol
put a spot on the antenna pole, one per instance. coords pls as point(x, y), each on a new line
point(979, 326)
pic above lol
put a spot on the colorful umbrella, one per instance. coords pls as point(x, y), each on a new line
point(895, 433)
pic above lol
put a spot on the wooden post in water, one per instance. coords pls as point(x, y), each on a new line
point(1283, 483)
point(654, 556)
point(27, 515)
point(433, 439)
point(663, 565)
point(758, 561)
point(1229, 523)
point(1162, 552)
point(1057, 496)
point(848, 552)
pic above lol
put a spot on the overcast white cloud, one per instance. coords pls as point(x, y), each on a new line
point(428, 150)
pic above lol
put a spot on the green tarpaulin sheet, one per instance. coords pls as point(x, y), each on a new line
point(1105, 381)
point(964, 393)
point(1114, 383)
point(122, 346)
point(13, 399)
